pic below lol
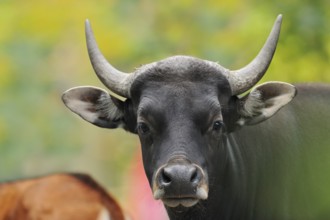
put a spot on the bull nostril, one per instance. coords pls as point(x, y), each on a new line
point(194, 177)
point(165, 178)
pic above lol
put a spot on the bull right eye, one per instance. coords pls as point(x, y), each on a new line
point(143, 128)
point(217, 125)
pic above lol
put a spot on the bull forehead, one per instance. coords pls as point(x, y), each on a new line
point(179, 86)
point(184, 106)
point(177, 68)
point(184, 64)
point(178, 76)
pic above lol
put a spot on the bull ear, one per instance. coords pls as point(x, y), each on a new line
point(95, 105)
point(264, 101)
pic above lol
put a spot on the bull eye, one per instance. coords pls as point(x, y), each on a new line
point(217, 125)
point(143, 128)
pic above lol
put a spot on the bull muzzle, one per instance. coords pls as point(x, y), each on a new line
point(180, 182)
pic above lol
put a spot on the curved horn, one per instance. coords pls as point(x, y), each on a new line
point(117, 81)
point(243, 79)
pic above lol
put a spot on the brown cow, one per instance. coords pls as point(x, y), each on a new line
point(64, 196)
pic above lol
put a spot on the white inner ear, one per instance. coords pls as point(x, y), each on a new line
point(274, 104)
point(85, 109)
point(99, 106)
point(258, 108)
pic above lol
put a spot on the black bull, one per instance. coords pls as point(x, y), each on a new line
point(210, 152)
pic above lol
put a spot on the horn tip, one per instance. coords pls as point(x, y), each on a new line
point(87, 23)
point(279, 18)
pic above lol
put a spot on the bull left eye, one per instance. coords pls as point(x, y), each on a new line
point(143, 128)
point(217, 125)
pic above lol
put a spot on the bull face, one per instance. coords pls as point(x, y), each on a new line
point(183, 109)
point(180, 125)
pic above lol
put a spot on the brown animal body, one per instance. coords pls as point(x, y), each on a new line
point(57, 197)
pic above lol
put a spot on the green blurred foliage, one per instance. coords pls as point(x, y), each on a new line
point(43, 53)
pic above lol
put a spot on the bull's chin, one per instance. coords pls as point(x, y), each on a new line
point(176, 202)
